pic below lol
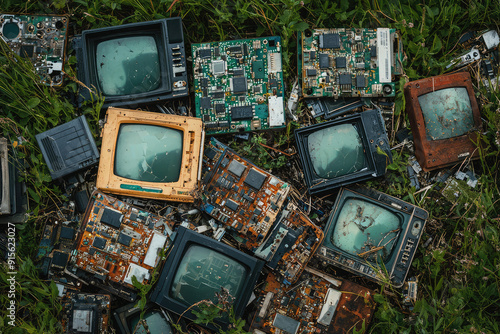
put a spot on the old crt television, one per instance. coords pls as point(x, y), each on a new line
point(150, 155)
point(343, 151)
point(133, 63)
point(368, 230)
point(444, 118)
point(68, 148)
point(198, 267)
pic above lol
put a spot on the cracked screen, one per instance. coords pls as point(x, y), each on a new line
point(366, 229)
point(336, 151)
point(128, 65)
point(447, 113)
point(148, 153)
point(203, 272)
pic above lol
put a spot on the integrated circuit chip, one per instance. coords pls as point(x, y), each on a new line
point(232, 205)
point(345, 79)
point(236, 167)
point(324, 60)
point(360, 81)
point(241, 112)
point(239, 85)
point(206, 102)
point(111, 218)
point(204, 53)
point(99, 243)
point(255, 179)
point(329, 41)
point(340, 62)
point(124, 239)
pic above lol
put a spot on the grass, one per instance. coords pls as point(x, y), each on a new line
point(459, 270)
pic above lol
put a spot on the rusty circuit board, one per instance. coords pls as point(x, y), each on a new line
point(239, 194)
point(290, 245)
point(85, 313)
point(119, 241)
point(317, 303)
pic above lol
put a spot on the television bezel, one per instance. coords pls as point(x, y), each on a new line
point(434, 154)
point(372, 132)
point(183, 240)
point(183, 190)
point(404, 248)
point(5, 204)
point(87, 72)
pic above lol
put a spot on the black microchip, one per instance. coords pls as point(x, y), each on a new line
point(360, 81)
point(224, 124)
point(224, 162)
point(91, 251)
point(242, 99)
point(210, 153)
point(248, 198)
point(255, 179)
point(324, 61)
point(241, 112)
point(60, 259)
point(235, 48)
point(67, 232)
point(206, 118)
point(340, 62)
point(232, 205)
point(238, 72)
point(257, 211)
point(273, 83)
point(27, 51)
point(124, 239)
point(216, 51)
point(245, 49)
point(89, 229)
point(329, 41)
point(220, 108)
point(345, 79)
point(310, 72)
point(312, 54)
point(373, 51)
point(205, 103)
point(266, 219)
point(111, 218)
point(96, 210)
point(218, 95)
point(99, 243)
point(256, 89)
point(204, 82)
point(237, 168)
point(204, 53)
point(239, 85)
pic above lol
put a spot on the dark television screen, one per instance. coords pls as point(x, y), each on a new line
point(337, 151)
point(447, 113)
point(148, 153)
point(363, 227)
point(128, 65)
point(343, 151)
point(153, 322)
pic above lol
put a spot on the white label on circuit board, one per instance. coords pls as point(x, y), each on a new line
point(384, 54)
point(276, 111)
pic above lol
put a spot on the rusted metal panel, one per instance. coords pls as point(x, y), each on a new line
point(449, 132)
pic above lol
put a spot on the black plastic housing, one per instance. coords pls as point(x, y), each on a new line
point(372, 132)
point(170, 45)
point(68, 148)
point(412, 220)
point(183, 240)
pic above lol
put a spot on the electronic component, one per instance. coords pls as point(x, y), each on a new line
point(41, 39)
point(119, 241)
point(85, 313)
point(329, 59)
point(290, 245)
point(239, 87)
point(317, 303)
point(239, 194)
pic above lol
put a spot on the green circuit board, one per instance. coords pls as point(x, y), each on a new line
point(239, 85)
point(41, 39)
point(344, 62)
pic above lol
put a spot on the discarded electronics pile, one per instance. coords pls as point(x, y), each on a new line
point(200, 222)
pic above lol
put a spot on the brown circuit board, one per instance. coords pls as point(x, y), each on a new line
point(290, 245)
point(119, 241)
point(239, 194)
point(85, 313)
point(317, 303)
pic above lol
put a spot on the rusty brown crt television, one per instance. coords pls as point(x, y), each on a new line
point(150, 155)
point(444, 119)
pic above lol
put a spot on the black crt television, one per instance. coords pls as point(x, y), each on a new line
point(68, 147)
point(133, 64)
point(368, 230)
point(343, 151)
point(197, 268)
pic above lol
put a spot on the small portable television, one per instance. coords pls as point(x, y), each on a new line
point(343, 151)
point(368, 230)
point(197, 268)
point(133, 64)
point(150, 155)
point(444, 119)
